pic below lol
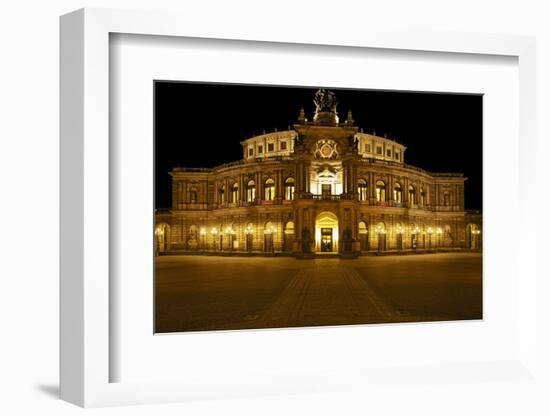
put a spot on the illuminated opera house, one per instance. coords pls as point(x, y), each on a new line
point(322, 187)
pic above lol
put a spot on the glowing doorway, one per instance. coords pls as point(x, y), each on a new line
point(326, 233)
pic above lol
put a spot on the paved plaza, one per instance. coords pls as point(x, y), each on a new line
point(196, 293)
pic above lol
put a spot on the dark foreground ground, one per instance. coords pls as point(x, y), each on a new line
point(197, 293)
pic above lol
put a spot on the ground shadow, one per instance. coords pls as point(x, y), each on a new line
point(51, 390)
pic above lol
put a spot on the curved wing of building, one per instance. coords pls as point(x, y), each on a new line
point(323, 187)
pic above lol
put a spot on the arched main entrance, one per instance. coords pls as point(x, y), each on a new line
point(326, 233)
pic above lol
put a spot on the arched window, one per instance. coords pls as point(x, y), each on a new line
point(269, 190)
point(362, 189)
point(289, 228)
point(289, 189)
point(412, 196)
point(250, 191)
point(446, 198)
point(235, 193)
point(422, 197)
point(380, 191)
point(397, 193)
point(221, 195)
point(193, 196)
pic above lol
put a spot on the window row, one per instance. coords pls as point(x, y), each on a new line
point(250, 191)
point(381, 193)
point(283, 146)
point(379, 150)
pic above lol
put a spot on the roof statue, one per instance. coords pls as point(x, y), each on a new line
point(325, 101)
point(325, 107)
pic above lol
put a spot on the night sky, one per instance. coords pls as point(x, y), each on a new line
point(202, 125)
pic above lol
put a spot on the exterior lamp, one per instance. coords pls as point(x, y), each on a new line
point(270, 230)
point(399, 230)
point(476, 233)
point(214, 232)
point(430, 231)
point(380, 230)
point(249, 230)
point(414, 233)
point(438, 231)
point(159, 233)
point(202, 233)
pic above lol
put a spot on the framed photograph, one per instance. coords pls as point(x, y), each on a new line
point(273, 214)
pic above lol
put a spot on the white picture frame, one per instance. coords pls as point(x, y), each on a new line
point(85, 216)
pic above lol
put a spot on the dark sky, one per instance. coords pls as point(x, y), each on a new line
point(202, 125)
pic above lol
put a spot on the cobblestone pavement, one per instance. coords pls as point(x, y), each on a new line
point(223, 293)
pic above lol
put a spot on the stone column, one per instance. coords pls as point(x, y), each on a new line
point(279, 185)
point(390, 197)
point(257, 179)
point(177, 195)
point(306, 177)
point(406, 193)
point(298, 177)
point(184, 194)
point(227, 190)
point(242, 185)
point(372, 186)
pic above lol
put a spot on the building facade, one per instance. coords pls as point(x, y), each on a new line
point(322, 187)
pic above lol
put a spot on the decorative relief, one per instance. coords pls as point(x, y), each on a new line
point(325, 149)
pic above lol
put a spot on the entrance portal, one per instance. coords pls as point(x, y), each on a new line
point(326, 233)
point(326, 240)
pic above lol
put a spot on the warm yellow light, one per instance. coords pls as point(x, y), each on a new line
point(270, 230)
point(214, 231)
point(430, 230)
point(439, 230)
point(203, 231)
